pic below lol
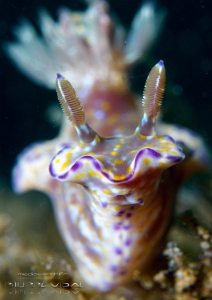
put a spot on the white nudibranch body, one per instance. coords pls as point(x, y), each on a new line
point(111, 172)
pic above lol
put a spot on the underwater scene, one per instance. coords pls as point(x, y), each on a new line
point(105, 154)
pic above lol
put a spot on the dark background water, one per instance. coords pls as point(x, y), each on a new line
point(185, 45)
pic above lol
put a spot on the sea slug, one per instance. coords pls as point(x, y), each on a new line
point(114, 170)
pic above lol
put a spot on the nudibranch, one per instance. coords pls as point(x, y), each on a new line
point(114, 171)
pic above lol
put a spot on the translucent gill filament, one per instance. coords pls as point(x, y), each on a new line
point(73, 109)
point(152, 98)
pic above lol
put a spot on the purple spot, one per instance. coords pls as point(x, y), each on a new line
point(140, 201)
point(169, 138)
point(113, 268)
point(118, 251)
point(179, 149)
point(120, 213)
point(96, 165)
point(127, 227)
point(153, 153)
point(87, 157)
point(107, 176)
point(146, 151)
point(76, 166)
point(117, 226)
point(123, 272)
point(63, 176)
point(61, 151)
point(174, 158)
point(161, 63)
point(127, 242)
point(51, 171)
point(104, 204)
point(132, 207)
point(128, 215)
point(59, 76)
